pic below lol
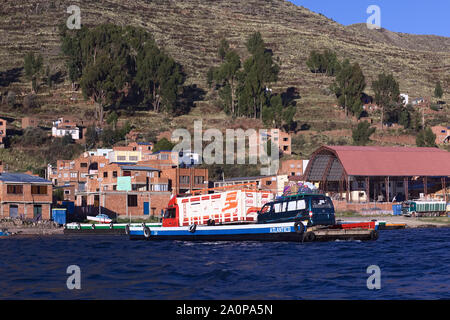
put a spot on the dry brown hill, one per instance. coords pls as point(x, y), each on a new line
point(191, 29)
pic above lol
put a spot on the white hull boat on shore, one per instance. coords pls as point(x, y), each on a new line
point(101, 218)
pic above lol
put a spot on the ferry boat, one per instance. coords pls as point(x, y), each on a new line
point(242, 213)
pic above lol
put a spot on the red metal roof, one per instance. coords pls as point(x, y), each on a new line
point(392, 161)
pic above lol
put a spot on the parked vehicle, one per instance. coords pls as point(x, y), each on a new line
point(316, 209)
point(420, 208)
point(224, 206)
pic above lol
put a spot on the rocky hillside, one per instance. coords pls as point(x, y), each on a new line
point(191, 30)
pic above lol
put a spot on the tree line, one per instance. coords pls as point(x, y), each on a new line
point(349, 86)
point(114, 65)
point(244, 85)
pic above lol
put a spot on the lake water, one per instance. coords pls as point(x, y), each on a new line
point(414, 264)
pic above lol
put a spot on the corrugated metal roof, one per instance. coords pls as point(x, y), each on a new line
point(391, 161)
point(21, 178)
point(138, 168)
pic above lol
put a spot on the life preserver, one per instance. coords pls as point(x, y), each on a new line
point(299, 227)
point(127, 229)
point(147, 232)
point(192, 228)
point(374, 235)
point(310, 236)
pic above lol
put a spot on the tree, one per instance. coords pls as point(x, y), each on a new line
point(224, 47)
point(361, 134)
point(103, 83)
point(426, 138)
point(32, 67)
point(438, 92)
point(260, 70)
point(122, 64)
point(163, 145)
point(387, 92)
point(227, 74)
point(325, 63)
point(112, 119)
point(349, 86)
point(159, 77)
point(91, 137)
point(278, 113)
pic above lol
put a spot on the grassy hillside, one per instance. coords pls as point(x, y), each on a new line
point(190, 30)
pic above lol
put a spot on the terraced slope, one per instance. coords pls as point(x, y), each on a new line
point(191, 29)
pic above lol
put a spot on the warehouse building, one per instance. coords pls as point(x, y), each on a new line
point(379, 174)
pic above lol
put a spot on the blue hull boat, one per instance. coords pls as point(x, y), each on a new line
point(244, 232)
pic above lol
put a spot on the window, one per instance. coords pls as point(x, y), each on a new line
point(132, 200)
point(66, 191)
point(83, 164)
point(127, 173)
point(15, 189)
point(115, 174)
point(268, 183)
point(277, 207)
point(199, 179)
point(121, 158)
point(38, 189)
point(73, 174)
point(164, 156)
point(292, 205)
point(184, 179)
point(301, 205)
point(321, 203)
point(133, 158)
point(105, 174)
point(170, 213)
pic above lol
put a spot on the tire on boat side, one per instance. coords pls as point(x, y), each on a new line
point(192, 228)
point(127, 229)
point(147, 232)
point(93, 226)
point(111, 225)
point(374, 235)
point(310, 236)
point(299, 227)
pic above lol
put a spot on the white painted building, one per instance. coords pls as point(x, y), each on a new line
point(405, 98)
point(63, 127)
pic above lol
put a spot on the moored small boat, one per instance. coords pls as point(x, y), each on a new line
point(101, 218)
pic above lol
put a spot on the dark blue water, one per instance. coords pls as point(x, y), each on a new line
point(414, 265)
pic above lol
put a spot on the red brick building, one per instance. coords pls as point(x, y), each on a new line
point(2, 131)
point(25, 196)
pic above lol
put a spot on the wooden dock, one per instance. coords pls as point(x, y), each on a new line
point(324, 234)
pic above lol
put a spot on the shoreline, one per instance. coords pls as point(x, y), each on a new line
point(50, 229)
point(411, 223)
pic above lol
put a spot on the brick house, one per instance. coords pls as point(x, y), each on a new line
point(281, 139)
point(2, 131)
point(26, 196)
point(73, 174)
point(267, 183)
point(28, 122)
point(442, 134)
point(291, 167)
point(182, 180)
point(125, 155)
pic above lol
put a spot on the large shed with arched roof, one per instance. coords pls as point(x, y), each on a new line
point(379, 173)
